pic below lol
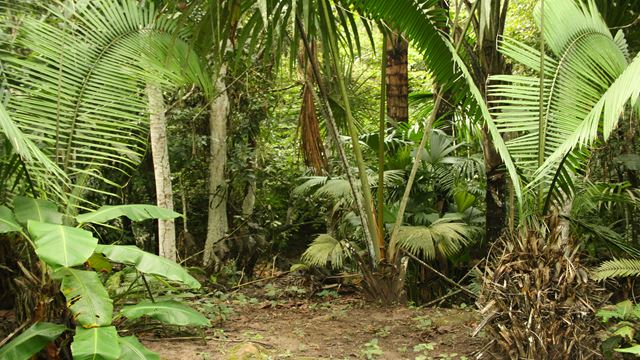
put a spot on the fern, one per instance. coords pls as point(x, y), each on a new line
point(617, 268)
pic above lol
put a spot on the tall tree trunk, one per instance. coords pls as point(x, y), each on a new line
point(161, 170)
point(217, 224)
point(397, 73)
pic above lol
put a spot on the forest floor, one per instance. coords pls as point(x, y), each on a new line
point(280, 322)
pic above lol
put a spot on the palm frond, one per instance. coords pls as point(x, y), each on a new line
point(339, 189)
point(79, 94)
point(585, 78)
point(592, 197)
point(446, 236)
point(617, 268)
point(421, 21)
point(311, 182)
point(37, 163)
point(326, 250)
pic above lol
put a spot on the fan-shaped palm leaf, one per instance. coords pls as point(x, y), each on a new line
point(324, 250)
point(445, 236)
point(339, 188)
point(79, 93)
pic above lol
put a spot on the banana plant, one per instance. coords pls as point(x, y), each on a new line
point(65, 252)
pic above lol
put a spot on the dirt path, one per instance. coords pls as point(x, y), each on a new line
point(344, 328)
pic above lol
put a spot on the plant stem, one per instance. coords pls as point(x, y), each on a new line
point(542, 126)
point(325, 108)
point(381, 133)
point(392, 251)
point(355, 142)
point(146, 285)
point(412, 176)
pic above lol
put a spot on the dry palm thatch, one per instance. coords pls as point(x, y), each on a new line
point(310, 137)
point(537, 300)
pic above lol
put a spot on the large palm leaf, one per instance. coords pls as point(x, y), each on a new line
point(445, 236)
point(421, 21)
point(586, 78)
point(79, 93)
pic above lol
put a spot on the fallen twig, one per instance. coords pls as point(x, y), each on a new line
point(261, 279)
point(441, 298)
point(445, 277)
point(212, 338)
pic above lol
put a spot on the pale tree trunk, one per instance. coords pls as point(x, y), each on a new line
point(249, 202)
point(217, 225)
point(161, 170)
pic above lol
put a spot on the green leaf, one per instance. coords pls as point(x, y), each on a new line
point(60, 245)
point(132, 349)
point(86, 297)
point(446, 236)
point(464, 200)
point(37, 164)
point(630, 350)
point(326, 249)
point(31, 341)
point(626, 331)
point(148, 263)
point(100, 343)
point(99, 263)
point(27, 209)
point(133, 212)
point(169, 312)
point(8, 222)
point(620, 311)
point(88, 116)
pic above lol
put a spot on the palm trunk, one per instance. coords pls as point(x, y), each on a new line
point(355, 143)
point(322, 98)
point(161, 170)
point(492, 62)
point(496, 193)
point(397, 74)
point(217, 225)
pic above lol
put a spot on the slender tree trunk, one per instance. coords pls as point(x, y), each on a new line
point(397, 74)
point(496, 192)
point(161, 170)
point(492, 62)
point(249, 201)
point(217, 225)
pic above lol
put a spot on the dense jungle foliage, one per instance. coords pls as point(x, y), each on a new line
point(160, 157)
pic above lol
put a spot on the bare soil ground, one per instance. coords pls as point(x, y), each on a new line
point(280, 320)
point(342, 328)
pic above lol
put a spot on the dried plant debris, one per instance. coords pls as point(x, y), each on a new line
point(537, 300)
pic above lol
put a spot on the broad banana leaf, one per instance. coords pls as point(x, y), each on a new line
point(168, 312)
point(26, 209)
point(148, 263)
point(60, 245)
point(86, 297)
point(132, 349)
point(8, 222)
point(31, 341)
point(133, 212)
point(99, 343)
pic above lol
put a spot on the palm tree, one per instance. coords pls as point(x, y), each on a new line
point(87, 116)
